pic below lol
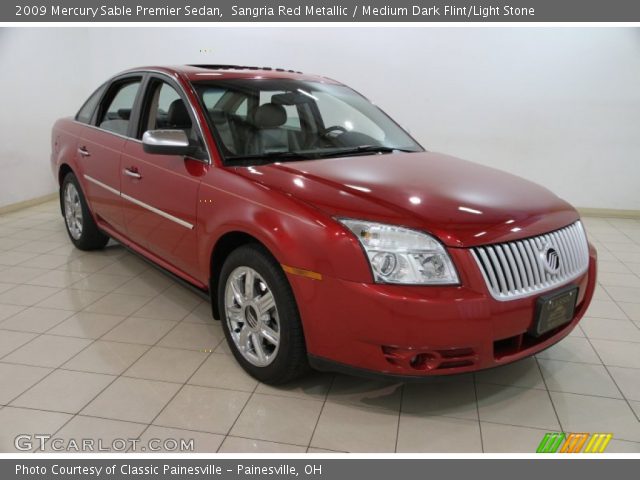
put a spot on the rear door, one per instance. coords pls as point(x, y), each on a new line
point(100, 147)
point(160, 192)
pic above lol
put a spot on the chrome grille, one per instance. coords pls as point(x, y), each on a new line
point(529, 266)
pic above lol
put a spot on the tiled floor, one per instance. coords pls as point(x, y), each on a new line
point(100, 345)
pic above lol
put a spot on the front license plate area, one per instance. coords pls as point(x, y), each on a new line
point(554, 310)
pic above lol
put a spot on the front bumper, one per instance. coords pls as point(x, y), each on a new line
point(411, 332)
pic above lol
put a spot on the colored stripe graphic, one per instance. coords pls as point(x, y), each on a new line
point(598, 442)
point(560, 442)
point(550, 442)
point(574, 442)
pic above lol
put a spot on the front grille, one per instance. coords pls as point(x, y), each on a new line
point(532, 265)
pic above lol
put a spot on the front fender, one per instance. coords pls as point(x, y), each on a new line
point(296, 234)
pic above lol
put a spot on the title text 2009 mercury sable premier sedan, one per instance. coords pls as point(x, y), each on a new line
point(323, 233)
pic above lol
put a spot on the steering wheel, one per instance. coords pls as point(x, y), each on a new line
point(325, 137)
point(334, 128)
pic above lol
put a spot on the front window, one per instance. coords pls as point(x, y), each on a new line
point(164, 109)
point(262, 120)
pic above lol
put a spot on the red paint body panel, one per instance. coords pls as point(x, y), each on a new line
point(231, 203)
point(347, 318)
point(192, 72)
point(169, 183)
point(380, 188)
point(420, 319)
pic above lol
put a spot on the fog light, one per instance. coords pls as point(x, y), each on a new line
point(425, 361)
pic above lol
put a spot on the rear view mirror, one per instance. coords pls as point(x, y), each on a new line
point(166, 142)
point(291, 98)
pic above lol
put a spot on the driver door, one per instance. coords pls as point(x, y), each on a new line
point(161, 191)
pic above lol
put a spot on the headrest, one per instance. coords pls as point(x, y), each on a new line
point(177, 116)
point(270, 115)
point(124, 113)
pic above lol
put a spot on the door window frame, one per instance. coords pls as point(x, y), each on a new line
point(142, 100)
point(110, 93)
point(99, 92)
point(136, 112)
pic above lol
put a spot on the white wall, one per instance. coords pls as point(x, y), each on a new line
point(560, 106)
point(41, 79)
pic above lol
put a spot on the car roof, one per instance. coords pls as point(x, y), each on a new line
point(221, 72)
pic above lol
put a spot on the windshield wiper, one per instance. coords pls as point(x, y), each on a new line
point(364, 149)
point(269, 157)
point(290, 156)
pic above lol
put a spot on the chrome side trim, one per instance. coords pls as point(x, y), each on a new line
point(146, 206)
point(103, 185)
point(162, 213)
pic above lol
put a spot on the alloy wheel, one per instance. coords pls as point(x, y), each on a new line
point(73, 211)
point(252, 316)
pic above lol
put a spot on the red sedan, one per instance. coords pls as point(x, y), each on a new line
point(324, 235)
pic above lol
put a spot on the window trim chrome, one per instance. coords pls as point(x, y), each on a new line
point(209, 159)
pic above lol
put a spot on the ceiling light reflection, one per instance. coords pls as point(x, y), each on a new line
point(470, 210)
point(307, 94)
point(358, 187)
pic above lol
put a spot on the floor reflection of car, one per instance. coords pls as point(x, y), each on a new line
point(323, 233)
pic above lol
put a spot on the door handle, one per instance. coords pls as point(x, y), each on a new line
point(133, 173)
point(83, 151)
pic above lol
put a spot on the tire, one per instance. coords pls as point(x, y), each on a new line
point(251, 318)
point(81, 228)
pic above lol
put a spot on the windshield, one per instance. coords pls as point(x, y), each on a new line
point(262, 120)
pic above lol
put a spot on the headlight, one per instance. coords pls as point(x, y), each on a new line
point(403, 256)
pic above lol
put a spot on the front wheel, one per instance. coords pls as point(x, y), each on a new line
point(82, 230)
point(261, 320)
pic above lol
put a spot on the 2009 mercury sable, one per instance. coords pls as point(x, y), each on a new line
point(322, 232)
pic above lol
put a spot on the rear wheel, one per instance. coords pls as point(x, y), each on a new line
point(82, 230)
point(260, 317)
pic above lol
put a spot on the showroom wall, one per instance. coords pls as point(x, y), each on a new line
point(41, 78)
point(558, 106)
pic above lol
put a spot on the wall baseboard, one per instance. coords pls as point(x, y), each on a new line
point(13, 207)
point(609, 212)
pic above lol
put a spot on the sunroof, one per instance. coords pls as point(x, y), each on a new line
point(240, 67)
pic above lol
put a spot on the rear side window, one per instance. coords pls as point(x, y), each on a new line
point(86, 112)
point(116, 113)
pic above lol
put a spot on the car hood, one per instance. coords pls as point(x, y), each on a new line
point(460, 202)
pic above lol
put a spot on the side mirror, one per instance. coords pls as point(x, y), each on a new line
point(166, 142)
